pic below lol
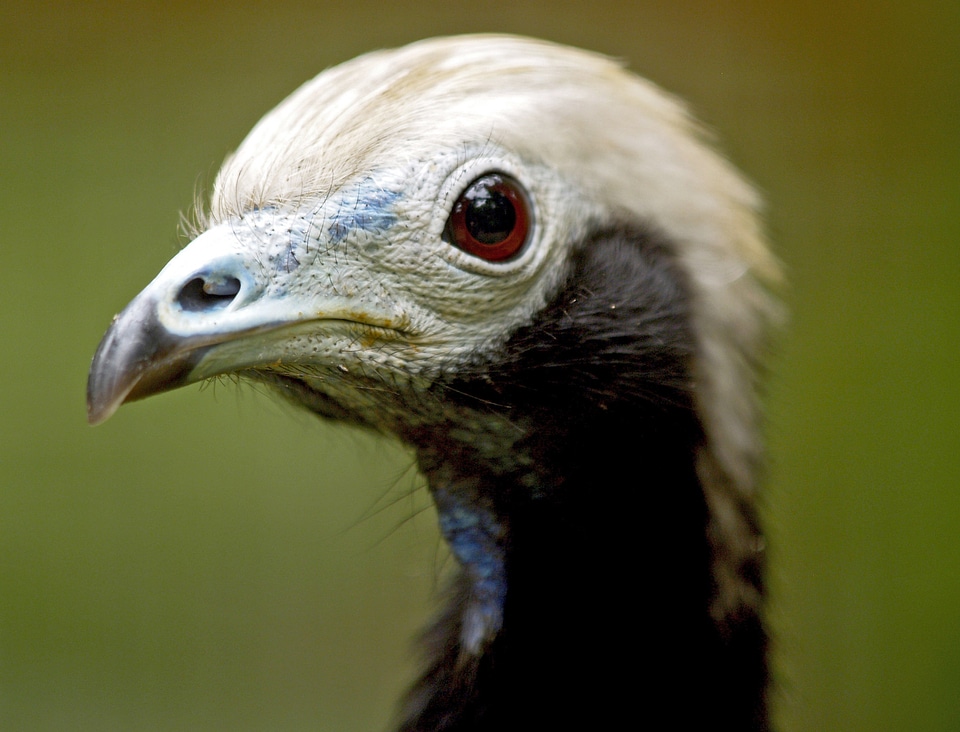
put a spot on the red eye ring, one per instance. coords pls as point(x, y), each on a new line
point(491, 218)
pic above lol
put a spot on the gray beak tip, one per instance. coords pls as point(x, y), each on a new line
point(108, 384)
point(136, 358)
point(99, 411)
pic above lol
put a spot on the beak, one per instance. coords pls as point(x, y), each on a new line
point(206, 295)
point(216, 308)
point(136, 358)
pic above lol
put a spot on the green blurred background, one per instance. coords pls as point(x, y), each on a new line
point(211, 559)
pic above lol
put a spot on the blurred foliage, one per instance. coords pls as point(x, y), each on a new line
point(212, 560)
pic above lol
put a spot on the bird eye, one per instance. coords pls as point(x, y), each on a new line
point(491, 219)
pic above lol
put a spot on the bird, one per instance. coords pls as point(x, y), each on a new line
point(532, 267)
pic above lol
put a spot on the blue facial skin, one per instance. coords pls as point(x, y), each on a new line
point(363, 208)
point(366, 207)
point(474, 537)
point(287, 260)
point(473, 533)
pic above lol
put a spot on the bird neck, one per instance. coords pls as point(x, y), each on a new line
point(593, 585)
point(565, 476)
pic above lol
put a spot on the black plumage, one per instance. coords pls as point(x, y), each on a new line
point(608, 559)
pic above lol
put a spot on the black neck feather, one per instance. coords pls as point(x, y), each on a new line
point(580, 437)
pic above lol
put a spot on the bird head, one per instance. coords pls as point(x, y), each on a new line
point(507, 253)
point(405, 212)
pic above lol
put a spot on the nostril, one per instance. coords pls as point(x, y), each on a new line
point(210, 294)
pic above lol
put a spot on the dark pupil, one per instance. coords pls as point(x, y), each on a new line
point(490, 216)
